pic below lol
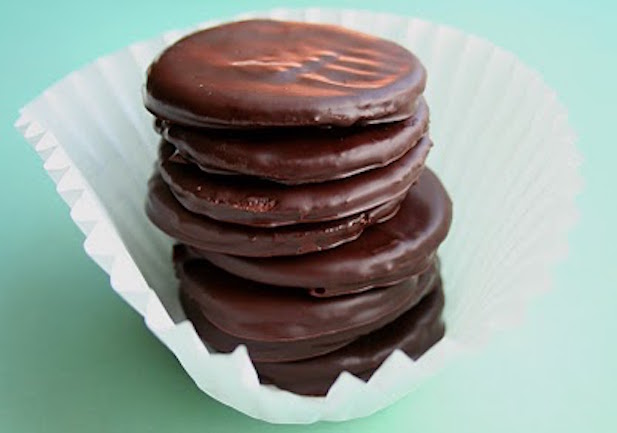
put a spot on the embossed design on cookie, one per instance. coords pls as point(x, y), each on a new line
point(325, 67)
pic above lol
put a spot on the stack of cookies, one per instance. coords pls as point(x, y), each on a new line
point(291, 173)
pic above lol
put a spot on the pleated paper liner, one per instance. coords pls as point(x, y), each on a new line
point(503, 148)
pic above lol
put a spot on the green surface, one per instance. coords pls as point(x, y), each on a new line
point(74, 357)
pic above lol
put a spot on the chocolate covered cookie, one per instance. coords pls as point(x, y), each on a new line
point(272, 73)
point(206, 233)
point(294, 156)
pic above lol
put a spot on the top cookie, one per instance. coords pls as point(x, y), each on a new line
point(264, 73)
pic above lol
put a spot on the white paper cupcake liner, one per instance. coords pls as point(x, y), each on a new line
point(503, 148)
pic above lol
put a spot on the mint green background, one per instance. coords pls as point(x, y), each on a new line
point(75, 358)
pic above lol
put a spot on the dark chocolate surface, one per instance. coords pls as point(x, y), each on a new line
point(286, 324)
point(414, 333)
point(164, 210)
point(257, 202)
point(283, 145)
point(274, 73)
point(385, 253)
point(293, 156)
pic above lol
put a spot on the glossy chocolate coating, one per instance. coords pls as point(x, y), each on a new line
point(274, 73)
point(385, 253)
point(257, 202)
point(293, 156)
point(285, 324)
point(170, 216)
point(414, 333)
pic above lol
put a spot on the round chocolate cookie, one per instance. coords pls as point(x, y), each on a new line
point(292, 156)
point(272, 73)
point(385, 254)
point(258, 202)
point(170, 216)
point(284, 324)
point(414, 333)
